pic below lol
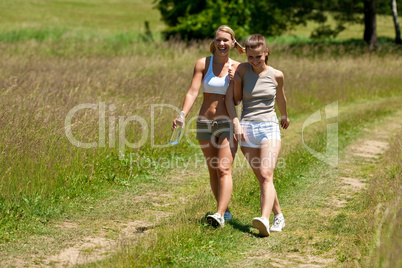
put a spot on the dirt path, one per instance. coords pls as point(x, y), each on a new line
point(96, 237)
point(88, 240)
point(363, 152)
point(89, 249)
point(366, 150)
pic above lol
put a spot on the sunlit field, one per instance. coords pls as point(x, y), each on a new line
point(385, 29)
point(106, 16)
point(87, 98)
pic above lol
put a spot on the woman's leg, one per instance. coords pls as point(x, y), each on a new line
point(210, 152)
point(276, 208)
point(226, 154)
point(219, 156)
point(263, 160)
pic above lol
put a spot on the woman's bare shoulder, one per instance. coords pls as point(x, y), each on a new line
point(235, 63)
point(242, 67)
point(200, 64)
point(277, 73)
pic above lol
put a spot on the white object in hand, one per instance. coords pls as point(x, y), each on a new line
point(178, 131)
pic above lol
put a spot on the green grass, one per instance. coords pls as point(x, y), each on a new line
point(45, 179)
point(115, 27)
point(104, 16)
point(79, 21)
point(385, 28)
point(303, 185)
point(381, 205)
point(58, 54)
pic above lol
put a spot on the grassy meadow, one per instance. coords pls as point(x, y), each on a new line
point(98, 56)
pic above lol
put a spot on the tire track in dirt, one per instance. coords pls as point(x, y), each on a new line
point(113, 234)
point(367, 150)
point(364, 151)
point(90, 249)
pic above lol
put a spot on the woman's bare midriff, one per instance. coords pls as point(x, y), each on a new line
point(213, 107)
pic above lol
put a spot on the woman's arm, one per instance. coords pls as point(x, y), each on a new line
point(230, 105)
point(281, 98)
point(230, 101)
point(195, 85)
point(238, 90)
point(235, 76)
point(238, 85)
point(232, 91)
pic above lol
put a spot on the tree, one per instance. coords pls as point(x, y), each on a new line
point(396, 23)
point(370, 26)
point(352, 10)
point(198, 19)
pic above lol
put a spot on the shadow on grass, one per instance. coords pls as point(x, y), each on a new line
point(245, 228)
point(235, 223)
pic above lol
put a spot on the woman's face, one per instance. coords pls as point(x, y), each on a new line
point(256, 56)
point(223, 42)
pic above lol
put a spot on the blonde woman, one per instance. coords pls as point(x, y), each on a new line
point(214, 128)
point(258, 85)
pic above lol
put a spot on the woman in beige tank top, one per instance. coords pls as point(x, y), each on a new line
point(258, 85)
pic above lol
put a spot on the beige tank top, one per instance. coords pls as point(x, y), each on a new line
point(259, 96)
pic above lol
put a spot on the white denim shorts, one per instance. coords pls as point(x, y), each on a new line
point(258, 132)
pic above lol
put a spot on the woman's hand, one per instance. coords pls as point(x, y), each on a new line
point(285, 121)
point(231, 72)
point(177, 123)
point(238, 132)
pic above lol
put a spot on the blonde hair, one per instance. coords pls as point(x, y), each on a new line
point(228, 30)
point(256, 41)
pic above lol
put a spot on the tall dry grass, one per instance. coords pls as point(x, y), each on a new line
point(38, 90)
point(40, 82)
point(38, 162)
point(384, 212)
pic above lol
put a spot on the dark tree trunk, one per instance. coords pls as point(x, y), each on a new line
point(396, 23)
point(370, 28)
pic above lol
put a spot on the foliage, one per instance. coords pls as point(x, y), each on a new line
point(199, 19)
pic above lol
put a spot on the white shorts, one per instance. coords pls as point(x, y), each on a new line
point(258, 132)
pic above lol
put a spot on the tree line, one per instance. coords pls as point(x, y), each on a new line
point(197, 19)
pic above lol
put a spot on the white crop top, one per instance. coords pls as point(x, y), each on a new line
point(214, 84)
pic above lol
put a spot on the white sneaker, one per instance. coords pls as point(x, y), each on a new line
point(279, 223)
point(227, 216)
point(262, 224)
point(216, 220)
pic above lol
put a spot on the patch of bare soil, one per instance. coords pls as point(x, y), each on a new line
point(369, 148)
point(106, 241)
point(67, 225)
point(363, 151)
point(269, 259)
point(302, 261)
point(352, 183)
point(91, 249)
